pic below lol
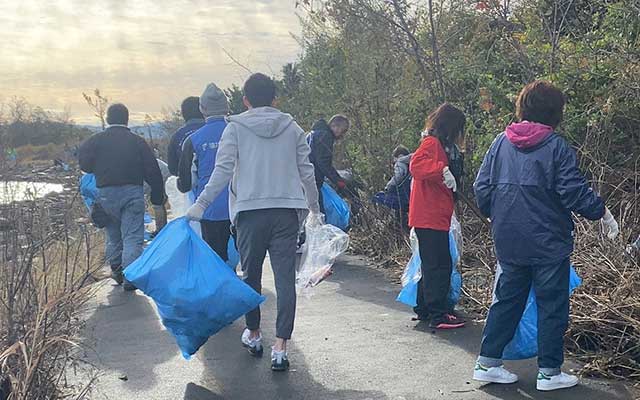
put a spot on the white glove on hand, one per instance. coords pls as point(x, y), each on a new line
point(195, 212)
point(315, 220)
point(609, 225)
point(449, 179)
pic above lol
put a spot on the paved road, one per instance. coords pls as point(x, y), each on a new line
point(352, 341)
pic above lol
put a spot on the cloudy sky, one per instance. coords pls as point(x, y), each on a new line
point(148, 54)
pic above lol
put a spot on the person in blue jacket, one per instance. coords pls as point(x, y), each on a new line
point(528, 186)
point(199, 155)
point(193, 120)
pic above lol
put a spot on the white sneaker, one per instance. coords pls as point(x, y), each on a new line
point(493, 375)
point(562, 381)
point(253, 345)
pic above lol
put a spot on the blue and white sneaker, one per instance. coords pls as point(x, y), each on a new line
point(279, 361)
point(253, 345)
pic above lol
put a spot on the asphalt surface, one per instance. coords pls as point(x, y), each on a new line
point(352, 341)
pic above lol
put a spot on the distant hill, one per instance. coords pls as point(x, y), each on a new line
point(155, 129)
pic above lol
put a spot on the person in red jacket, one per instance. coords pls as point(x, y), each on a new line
point(430, 211)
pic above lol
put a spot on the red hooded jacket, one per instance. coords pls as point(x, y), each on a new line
point(431, 202)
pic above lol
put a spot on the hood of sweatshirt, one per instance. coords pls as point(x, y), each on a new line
point(525, 134)
point(266, 122)
point(405, 159)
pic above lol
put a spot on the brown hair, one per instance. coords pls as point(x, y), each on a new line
point(446, 123)
point(340, 120)
point(540, 102)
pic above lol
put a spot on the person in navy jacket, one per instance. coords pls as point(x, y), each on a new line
point(528, 186)
point(193, 120)
point(199, 155)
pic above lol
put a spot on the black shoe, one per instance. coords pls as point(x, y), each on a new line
point(117, 276)
point(128, 286)
point(421, 317)
point(254, 346)
point(446, 321)
point(279, 361)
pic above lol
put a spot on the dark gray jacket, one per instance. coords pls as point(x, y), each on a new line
point(400, 171)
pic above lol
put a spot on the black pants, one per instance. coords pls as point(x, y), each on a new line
point(433, 288)
point(216, 234)
point(320, 199)
point(274, 230)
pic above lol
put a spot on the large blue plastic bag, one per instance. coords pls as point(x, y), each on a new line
point(336, 209)
point(525, 341)
point(88, 190)
point(196, 293)
point(413, 271)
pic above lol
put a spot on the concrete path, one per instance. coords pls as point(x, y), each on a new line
point(352, 341)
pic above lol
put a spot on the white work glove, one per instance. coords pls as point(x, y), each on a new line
point(609, 225)
point(195, 212)
point(449, 179)
point(315, 220)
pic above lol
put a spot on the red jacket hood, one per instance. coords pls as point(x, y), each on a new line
point(527, 134)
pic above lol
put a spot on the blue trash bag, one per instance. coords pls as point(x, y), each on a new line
point(89, 193)
point(88, 190)
point(196, 293)
point(525, 341)
point(409, 293)
point(336, 209)
point(232, 254)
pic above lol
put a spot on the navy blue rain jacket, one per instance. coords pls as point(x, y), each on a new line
point(529, 194)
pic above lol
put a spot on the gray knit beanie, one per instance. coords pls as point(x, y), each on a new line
point(213, 101)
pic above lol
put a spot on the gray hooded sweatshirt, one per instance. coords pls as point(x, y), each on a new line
point(264, 154)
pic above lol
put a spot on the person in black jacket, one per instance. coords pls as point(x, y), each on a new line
point(321, 141)
point(121, 162)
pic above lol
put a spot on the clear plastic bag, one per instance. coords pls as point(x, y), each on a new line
point(323, 245)
point(180, 202)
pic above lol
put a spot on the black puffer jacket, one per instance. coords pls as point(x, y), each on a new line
point(321, 141)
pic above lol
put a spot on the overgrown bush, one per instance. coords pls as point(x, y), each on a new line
point(387, 63)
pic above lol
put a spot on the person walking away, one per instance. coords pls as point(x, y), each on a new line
point(159, 212)
point(193, 120)
point(121, 161)
point(431, 208)
point(529, 185)
point(399, 186)
point(265, 155)
point(199, 155)
point(321, 140)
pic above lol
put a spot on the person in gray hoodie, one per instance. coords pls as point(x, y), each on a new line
point(264, 159)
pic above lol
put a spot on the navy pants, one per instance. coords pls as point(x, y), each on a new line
point(551, 283)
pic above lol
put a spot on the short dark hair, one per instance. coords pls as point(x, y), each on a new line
point(260, 90)
point(190, 108)
point(446, 123)
point(541, 102)
point(400, 151)
point(117, 114)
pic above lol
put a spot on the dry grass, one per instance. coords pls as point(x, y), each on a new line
point(47, 258)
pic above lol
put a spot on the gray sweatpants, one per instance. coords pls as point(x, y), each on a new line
point(274, 230)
